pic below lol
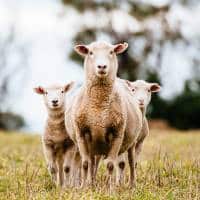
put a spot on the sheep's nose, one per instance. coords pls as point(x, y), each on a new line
point(141, 101)
point(54, 101)
point(102, 66)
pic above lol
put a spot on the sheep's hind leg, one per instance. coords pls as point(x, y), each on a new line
point(68, 167)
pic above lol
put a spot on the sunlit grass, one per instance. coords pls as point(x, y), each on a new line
point(169, 169)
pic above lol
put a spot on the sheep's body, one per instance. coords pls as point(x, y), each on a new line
point(105, 120)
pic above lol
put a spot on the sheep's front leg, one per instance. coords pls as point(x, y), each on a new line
point(113, 153)
point(51, 161)
point(76, 165)
point(87, 164)
point(120, 167)
point(132, 163)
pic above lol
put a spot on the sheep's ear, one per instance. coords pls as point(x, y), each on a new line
point(39, 90)
point(68, 86)
point(120, 48)
point(81, 50)
point(154, 87)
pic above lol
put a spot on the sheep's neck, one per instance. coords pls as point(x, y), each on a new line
point(99, 91)
point(143, 110)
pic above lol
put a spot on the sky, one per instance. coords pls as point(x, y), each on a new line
point(48, 28)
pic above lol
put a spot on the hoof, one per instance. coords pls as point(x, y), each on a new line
point(122, 165)
point(110, 167)
point(67, 169)
point(85, 165)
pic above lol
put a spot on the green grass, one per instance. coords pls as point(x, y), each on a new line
point(169, 169)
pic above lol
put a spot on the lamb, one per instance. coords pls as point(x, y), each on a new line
point(58, 148)
point(101, 121)
point(141, 93)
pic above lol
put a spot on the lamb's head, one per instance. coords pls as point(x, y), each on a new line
point(141, 91)
point(100, 58)
point(54, 96)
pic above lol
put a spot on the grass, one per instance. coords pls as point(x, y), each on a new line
point(169, 169)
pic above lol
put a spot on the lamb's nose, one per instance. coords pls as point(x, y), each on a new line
point(102, 66)
point(54, 101)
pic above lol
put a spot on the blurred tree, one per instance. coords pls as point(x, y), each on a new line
point(184, 109)
point(147, 30)
point(158, 108)
point(132, 64)
point(13, 63)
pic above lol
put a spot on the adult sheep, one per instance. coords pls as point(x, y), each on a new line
point(103, 117)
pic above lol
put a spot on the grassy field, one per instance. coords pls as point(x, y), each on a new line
point(169, 169)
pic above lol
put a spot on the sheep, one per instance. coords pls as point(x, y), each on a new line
point(58, 148)
point(141, 93)
point(101, 121)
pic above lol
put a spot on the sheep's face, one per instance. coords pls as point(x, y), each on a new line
point(100, 57)
point(141, 91)
point(54, 97)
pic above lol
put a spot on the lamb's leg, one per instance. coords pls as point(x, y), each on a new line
point(120, 167)
point(51, 161)
point(132, 161)
point(59, 163)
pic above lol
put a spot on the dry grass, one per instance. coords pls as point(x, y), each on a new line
point(169, 169)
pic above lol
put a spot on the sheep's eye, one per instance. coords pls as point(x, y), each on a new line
point(149, 90)
point(111, 52)
point(133, 90)
point(91, 53)
point(62, 91)
point(46, 93)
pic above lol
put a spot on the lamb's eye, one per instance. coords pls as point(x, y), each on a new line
point(111, 52)
point(133, 90)
point(62, 91)
point(46, 93)
point(149, 90)
point(91, 53)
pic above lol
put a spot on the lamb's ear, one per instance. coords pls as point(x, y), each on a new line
point(68, 86)
point(39, 90)
point(120, 48)
point(81, 50)
point(154, 87)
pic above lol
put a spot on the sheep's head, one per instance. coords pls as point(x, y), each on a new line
point(100, 58)
point(54, 96)
point(141, 91)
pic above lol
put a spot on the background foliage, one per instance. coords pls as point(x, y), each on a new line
point(181, 111)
